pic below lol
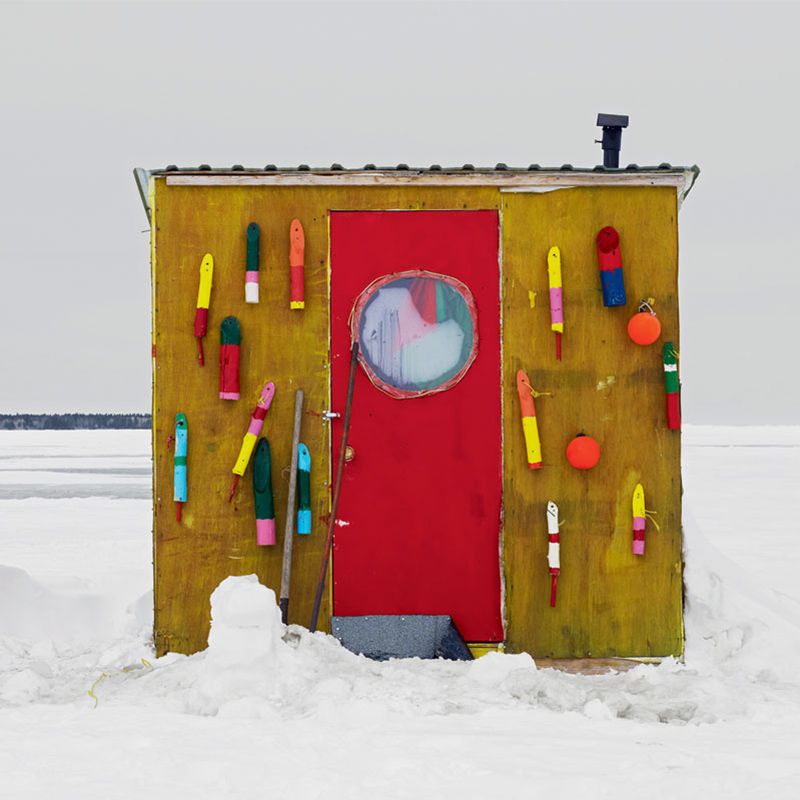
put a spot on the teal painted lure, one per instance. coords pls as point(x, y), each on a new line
point(180, 488)
point(303, 489)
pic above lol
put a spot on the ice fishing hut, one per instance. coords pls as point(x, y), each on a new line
point(446, 277)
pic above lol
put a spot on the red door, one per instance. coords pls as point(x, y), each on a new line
point(419, 515)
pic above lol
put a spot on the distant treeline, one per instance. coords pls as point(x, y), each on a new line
point(66, 422)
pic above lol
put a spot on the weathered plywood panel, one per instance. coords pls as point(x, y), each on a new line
point(288, 347)
point(610, 602)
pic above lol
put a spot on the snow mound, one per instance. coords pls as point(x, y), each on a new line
point(29, 610)
point(255, 667)
point(53, 645)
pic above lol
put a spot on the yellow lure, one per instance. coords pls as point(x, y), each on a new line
point(248, 445)
point(206, 279)
point(638, 501)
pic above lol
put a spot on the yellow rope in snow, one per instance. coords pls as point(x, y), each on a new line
point(94, 686)
point(104, 675)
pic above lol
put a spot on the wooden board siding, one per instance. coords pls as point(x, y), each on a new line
point(610, 602)
point(288, 347)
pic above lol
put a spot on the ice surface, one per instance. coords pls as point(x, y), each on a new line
point(266, 709)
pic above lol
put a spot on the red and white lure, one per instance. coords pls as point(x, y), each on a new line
point(553, 549)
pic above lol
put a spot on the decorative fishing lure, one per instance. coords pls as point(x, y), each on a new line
point(640, 516)
point(553, 549)
point(556, 297)
point(253, 431)
point(180, 491)
point(533, 446)
point(303, 489)
point(251, 267)
point(639, 520)
point(230, 346)
point(297, 248)
point(611, 267)
point(203, 302)
point(262, 494)
point(672, 386)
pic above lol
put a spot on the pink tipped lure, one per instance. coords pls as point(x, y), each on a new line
point(251, 437)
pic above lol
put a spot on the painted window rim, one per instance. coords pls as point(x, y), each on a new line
point(355, 321)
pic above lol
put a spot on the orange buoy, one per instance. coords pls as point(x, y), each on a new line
point(583, 452)
point(644, 327)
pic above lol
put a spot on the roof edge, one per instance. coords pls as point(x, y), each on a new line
point(532, 178)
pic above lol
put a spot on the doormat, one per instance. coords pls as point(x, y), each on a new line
point(384, 636)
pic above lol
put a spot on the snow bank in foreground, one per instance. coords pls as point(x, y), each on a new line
point(742, 645)
point(255, 667)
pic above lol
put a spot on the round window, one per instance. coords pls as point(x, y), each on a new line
point(417, 332)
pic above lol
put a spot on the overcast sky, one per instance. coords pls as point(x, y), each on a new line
point(89, 91)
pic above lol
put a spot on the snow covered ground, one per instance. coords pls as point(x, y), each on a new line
point(269, 713)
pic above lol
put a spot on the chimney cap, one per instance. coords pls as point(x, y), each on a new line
point(612, 120)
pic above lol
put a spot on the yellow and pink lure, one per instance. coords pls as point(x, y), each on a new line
point(253, 431)
point(556, 296)
point(640, 516)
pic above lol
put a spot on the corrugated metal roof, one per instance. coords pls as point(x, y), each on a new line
point(369, 173)
point(499, 167)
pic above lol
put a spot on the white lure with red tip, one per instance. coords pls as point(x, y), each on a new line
point(553, 549)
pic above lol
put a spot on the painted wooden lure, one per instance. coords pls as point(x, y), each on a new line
point(303, 489)
point(180, 488)
point(610, 260)
point(639, 520)
point(297, 247)
point(251, 266)
point(230, 347)
point(672, 386)
point(530, 429)
point(556, 296)
point(553, 549)
point(262, 494)
point(253, 431)
point(203, 302)
point(640, 517)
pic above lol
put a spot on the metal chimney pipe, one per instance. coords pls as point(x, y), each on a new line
point(612, 125)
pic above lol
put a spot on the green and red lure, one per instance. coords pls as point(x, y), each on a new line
point(262, 494)
point(251, 268)
point(672, 386)
point(230, 347)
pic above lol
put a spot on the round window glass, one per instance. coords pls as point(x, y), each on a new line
point(417, 332)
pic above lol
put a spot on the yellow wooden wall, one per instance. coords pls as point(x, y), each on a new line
point(609, 602)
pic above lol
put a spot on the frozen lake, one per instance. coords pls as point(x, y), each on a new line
point(304, 719)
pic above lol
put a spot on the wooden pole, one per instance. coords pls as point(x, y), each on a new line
point(288, 534)
point(337, 486)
